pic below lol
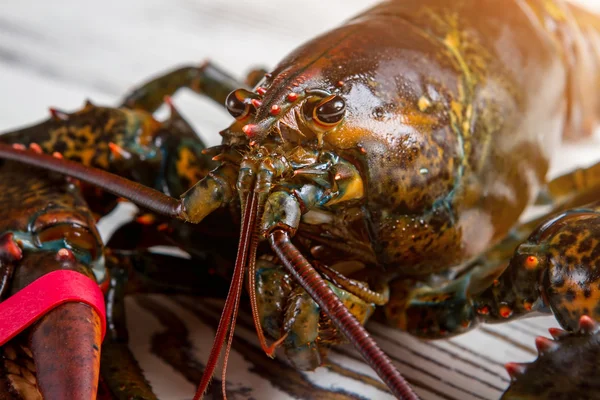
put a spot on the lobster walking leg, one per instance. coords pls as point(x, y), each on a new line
point(255, 76)
point(138, 271)
point(554, 270)
point(570, 188)
point(166, 155)
point(120, 370)
point(206, 79)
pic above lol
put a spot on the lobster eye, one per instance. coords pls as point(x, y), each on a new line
point(238, 103)
point(327, 112)
point(330, 110)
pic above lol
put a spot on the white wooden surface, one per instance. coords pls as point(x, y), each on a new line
point(60, 52)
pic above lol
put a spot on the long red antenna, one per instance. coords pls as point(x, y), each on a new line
point(141, 195)
point(230, 310)
point(312, 282)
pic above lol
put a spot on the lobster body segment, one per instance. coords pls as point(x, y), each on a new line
point(443, 120)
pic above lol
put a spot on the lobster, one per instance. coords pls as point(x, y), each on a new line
point(385, 163)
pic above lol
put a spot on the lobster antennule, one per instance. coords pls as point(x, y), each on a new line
point(268, 349)
point(246, 248)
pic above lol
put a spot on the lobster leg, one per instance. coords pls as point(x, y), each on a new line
point(482, 294)
point(206, 79)
point(555, 270)
point(120, 370)
point(144, 272)
point(255, 76)
point(165, 155)
point(147, 272)
point(580, 186)
point(489, 290)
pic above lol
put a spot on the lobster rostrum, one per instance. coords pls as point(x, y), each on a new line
point(384, 163)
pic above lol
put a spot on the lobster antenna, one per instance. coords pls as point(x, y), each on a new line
point(313, 283)
point(230, 310)
point(141, 195)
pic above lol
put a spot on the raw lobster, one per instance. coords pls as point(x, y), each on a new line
point(385, 163)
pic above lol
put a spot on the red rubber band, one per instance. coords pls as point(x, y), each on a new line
point(38, 298)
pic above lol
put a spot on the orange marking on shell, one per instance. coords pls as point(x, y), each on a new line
point(104, 286)
point(465, 324)
point(146, 219)
point(496, 283)
point(532, 262)
point(275, 110)
point(485, 310)
point(557, 333)
point(169, 102)
point(527, 305)
point(515, 369)
point(9, 249)
point(58, 115)
point(73, 181)
point(292, 97)
point(544, 344)
point(339, 83)
point(115, 148)
point(36, 148)
point(56, 154)
point(505, 311)
point(250, 130)
point(587, 324)
point(65, 255)
point(162, 227)
point(19, 146)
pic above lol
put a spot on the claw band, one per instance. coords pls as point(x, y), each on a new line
point(35, 300)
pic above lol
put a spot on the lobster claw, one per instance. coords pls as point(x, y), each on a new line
point(64, 345)
point(566, 367)
point(66, 352)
